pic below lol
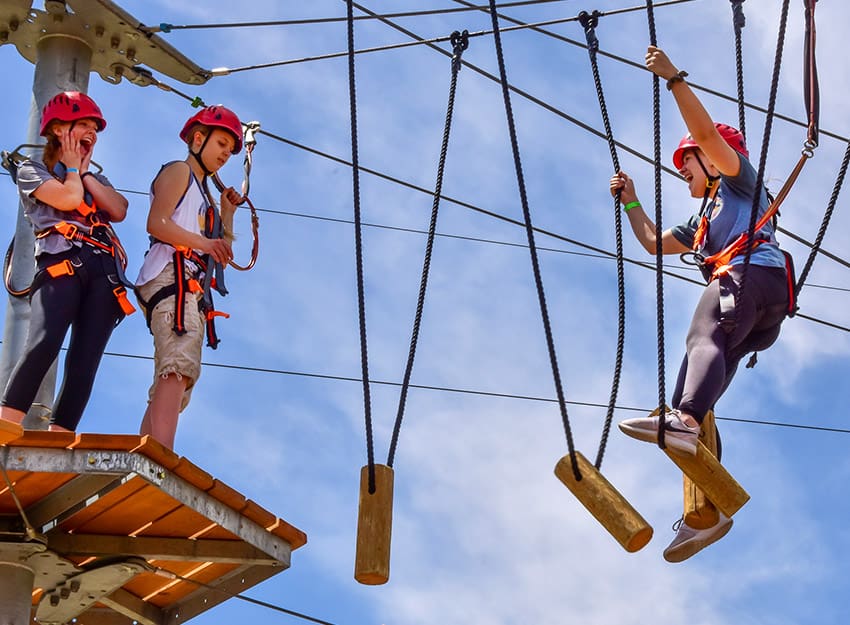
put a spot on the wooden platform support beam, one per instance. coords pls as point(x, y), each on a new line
point(605, 503)
point(374, 527)
point(699, 512)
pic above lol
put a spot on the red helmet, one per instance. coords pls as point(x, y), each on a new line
point(218, 117)
point(732, 136)
point(70, 106)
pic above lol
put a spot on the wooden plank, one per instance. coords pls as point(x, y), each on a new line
point(258, 514)
point(129, 607)
point(193, 474)
point(182, 522)
point(168, 592)
point(291, 534)
point(157, 548)
point(106, 442)
point(127, 516)
point(71, 494)
point(203, 599)
point(228, 496)
point(101, 505)
point(44, 438)
point(157, 452)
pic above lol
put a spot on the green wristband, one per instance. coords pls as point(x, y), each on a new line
point(631, 205)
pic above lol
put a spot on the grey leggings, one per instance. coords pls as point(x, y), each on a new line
point(713, 354)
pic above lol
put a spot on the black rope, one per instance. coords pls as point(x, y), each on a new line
point(739, 21)
point(460, 41)
point(589, 21)
point(535, 264)
point(825, 223)
point(659, 254)
point(358, 245)
point(768, 125)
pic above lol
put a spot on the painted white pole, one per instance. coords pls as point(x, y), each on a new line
point(63, 64)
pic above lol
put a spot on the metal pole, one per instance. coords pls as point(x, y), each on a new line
point(16, 592)
point(64, 64)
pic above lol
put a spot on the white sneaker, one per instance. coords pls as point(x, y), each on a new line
point(677, 435)
point(690, 541)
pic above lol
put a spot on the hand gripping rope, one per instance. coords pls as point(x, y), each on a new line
point(375, 513)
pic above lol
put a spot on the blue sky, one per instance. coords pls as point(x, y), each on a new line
point(483, 532)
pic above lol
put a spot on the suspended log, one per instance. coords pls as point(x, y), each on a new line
point(605, 503)
point(712, 478)
point(699, 512)
point(374, 527)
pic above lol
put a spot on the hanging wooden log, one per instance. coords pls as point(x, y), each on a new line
point(374, 527)
point(712, 478)
point(605, 503)
point(699, 512)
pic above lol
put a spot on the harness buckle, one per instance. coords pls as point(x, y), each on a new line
point(63, 268)
point(68, 230)
point(121, 295)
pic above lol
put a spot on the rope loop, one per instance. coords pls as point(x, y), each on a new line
point(738, 18)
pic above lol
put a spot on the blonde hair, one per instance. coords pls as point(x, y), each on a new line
point(52, 147)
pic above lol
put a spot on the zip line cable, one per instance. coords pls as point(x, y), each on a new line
point(226, 71)
point(462, 391)
point(167, 28)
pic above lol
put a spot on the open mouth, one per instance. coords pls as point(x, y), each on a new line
point(86, 144)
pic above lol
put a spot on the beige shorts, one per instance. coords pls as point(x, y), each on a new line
point(173, 354)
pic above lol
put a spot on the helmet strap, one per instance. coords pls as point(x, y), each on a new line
point(198, 154)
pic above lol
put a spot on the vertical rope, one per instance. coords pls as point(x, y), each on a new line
point(768, 125)
point(532, 247)
point(358, 250)
point(659, 256)
point(589, 23)
point(460, 41)
point(739, 21)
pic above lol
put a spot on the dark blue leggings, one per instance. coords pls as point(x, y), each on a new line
point(85, 303)
point(713, 354)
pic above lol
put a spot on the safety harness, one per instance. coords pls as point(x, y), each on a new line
point(189, 266)
point(96, 234)
point(718, 265)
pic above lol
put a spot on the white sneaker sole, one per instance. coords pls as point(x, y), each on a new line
point(651, 436)
point(687, 549)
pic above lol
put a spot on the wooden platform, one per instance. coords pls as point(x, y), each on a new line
point(105, 499)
